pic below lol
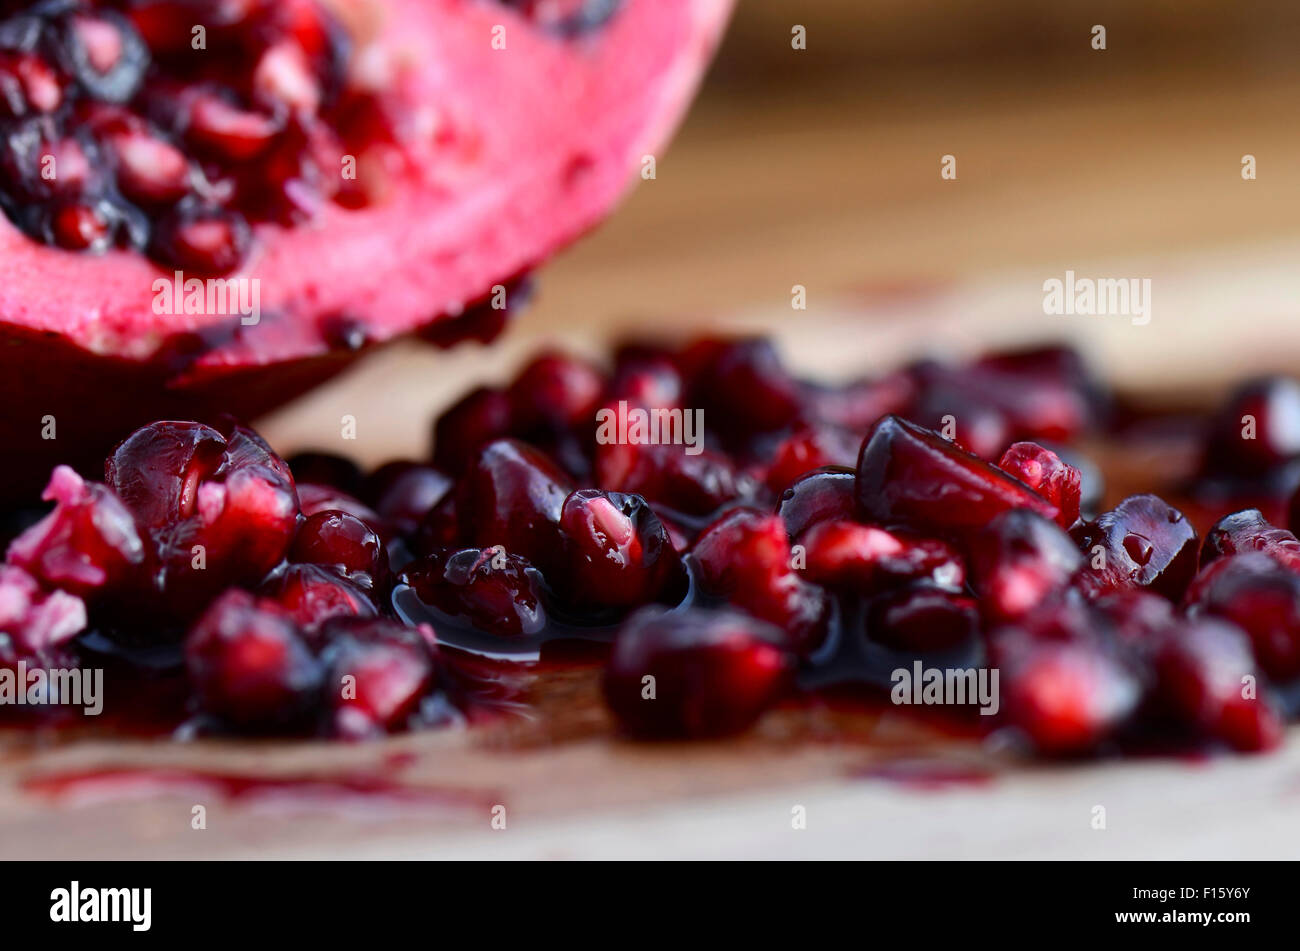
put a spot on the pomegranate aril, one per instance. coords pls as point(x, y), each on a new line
point(617, 552)
point(858, 405)
point(34, 622)
point(202, 240)
point(842, 554)
point(228, 132)
point(28, 84)
point(377, 673)
point(326, 469)
point(150, 170)
point(1207, 679)
point(1143, 542)
point(922, 619)
point(745, 387)
point(713, 673)
point(646, 381)
point(821, 495)
point(344, 544)
point(217, 510)
point(1045, 472)
point(555, 391)
point(1247, 531)
point(1257, 429)
point(810, 448)
point(696, 484)
point(914, 477)
point(249, 665)
point(745, 556)
point(482, 415)
point(105, 55)
point(490, 589)
point(284, 77)
point(1262, 598)
point(313, 499)
point(312, 594)
point(1067, 697)
point(1018, 561)
point(404, 492)
point(511, 495)
point(88, 543)
point(79, 227)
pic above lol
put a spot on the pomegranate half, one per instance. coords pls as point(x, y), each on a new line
point(492, 132)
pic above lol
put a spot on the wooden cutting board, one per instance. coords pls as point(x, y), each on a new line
point(894, 266)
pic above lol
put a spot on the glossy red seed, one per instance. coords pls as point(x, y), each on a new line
point(511, 495)
point(865, 558)
point(710, 673)
point(1020, 560)
point(482, 415)
point(1247, 531)
point(312, 594)
point(912, 476)
point(489, 589)
point(344, 544)
point(808, 449)
point(1143, 542)
point(821, 495)
point(617, 552)
point(377, 673)
point(248, 664)
point(1262, 598)
point(745, 556)
point(922, 619)
point(555, 390)
point(1044, 472)
point(1067, 697)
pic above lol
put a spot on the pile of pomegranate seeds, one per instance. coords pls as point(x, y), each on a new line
point(731, 534)
point(168, 126)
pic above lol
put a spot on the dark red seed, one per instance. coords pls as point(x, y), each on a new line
point(1246, 531)
point(865, 558)
point(617, 552)
point(1044, 472)
point(922, 619)
point(345, 544)
point(1018, 561)
point(911, 476)
point(695, 673)
point(511, 495)
point(1143, 542)
point(248, 664)
point(377, 673)
point(821, 495)
point(489, 589)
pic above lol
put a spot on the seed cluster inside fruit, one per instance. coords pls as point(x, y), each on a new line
point(792, 536)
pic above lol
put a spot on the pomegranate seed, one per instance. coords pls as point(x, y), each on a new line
point(150, 169)
point(865, 558)
point(78, 227)
point(249, 665)
point(311, 594)
point(283, 76)
point(1246, 531)
point(909, 475)
point(1044, 472)
point(1068, 697)
point(89, 542)
point(377, 673)
point(1143, 542)
point(35, 623)
point(492, 590)
point(228, 131)
point(203, 240)
point(1262, 598)
point(667, 475)
point(922, 619)
point(745, 556)
point(1257, 429)
point(1203, 671)
point(617, 551)
point(810, 448)
point(555, 391)
point(821, 495)
point(403, 493)
point(479, 417)
point(695, 673)
point(511, 495)
point(1018, 561)
point(344, 544)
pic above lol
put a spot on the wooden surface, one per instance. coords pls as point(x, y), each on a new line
point(1123, 175)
